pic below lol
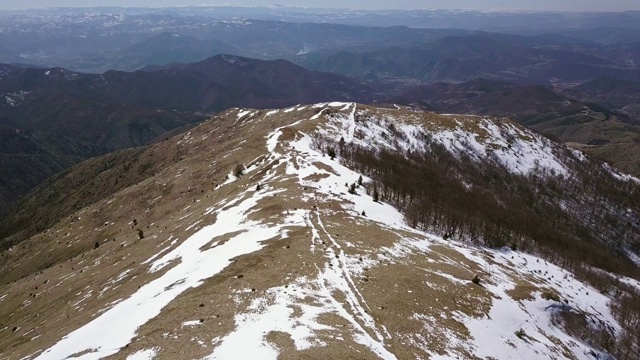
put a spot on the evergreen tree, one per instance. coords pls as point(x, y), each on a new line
point(332, 153)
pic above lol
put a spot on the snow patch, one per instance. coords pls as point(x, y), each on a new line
point(147, 354)
point(191, 323)
point(115, 328)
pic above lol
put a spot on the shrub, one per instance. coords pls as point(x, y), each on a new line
point(550, 295)
point(593, 332)
point(239, 170)
point(476, 280)
point(352, 189)
point(140, 234)
point(521, 334)
point(332, 153)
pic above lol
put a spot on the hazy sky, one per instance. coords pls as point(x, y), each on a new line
point(561, 5)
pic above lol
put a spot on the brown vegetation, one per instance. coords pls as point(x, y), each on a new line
point(483, 202)
point(555, 218)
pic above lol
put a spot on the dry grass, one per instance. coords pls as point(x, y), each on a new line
point(417, 297)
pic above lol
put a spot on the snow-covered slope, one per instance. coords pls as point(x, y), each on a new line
point(280, 260)
point(518, 149)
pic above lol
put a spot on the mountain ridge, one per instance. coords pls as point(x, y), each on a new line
point(253, 227)
point(605, 131)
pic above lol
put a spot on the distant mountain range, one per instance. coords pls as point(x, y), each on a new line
point(167, 48)
point(492, 56)
point(58, 117)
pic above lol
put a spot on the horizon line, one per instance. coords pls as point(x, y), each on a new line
point(492, 10)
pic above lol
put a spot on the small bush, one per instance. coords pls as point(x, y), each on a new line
point(140, 234)
point(239, 170)
point(96, 245)
point(352, 189)
point(476, 280)
point(550, 295)
point(521, 334)
point(332, 153)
